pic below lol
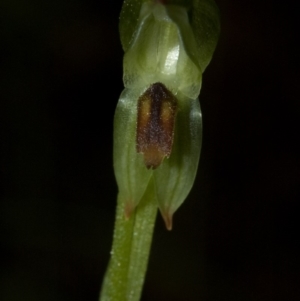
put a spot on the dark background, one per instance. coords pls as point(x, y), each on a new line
point(236, 236)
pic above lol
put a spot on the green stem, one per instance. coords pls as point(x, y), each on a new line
point(125, 275)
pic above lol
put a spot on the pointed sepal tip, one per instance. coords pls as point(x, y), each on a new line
point(168, 219)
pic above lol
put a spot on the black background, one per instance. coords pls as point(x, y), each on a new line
point(236, 236)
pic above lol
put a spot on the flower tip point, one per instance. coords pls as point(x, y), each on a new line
point(168, 218)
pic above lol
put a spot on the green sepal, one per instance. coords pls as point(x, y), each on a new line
point(175, 177)
point(205, 22)
point(131, 173)
point(128, 21)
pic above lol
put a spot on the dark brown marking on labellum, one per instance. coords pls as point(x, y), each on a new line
point(157, 108)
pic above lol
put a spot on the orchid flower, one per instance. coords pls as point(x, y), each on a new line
point(157, 126)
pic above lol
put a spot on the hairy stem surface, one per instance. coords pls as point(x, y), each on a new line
point(130, 251)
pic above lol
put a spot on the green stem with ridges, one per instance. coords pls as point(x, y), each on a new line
point(132, 239)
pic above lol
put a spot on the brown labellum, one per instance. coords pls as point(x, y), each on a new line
point(157, 108)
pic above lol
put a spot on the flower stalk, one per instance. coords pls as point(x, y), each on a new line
point(132, 239)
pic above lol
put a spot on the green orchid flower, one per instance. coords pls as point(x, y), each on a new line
point(157, 126)
point(157, 129)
